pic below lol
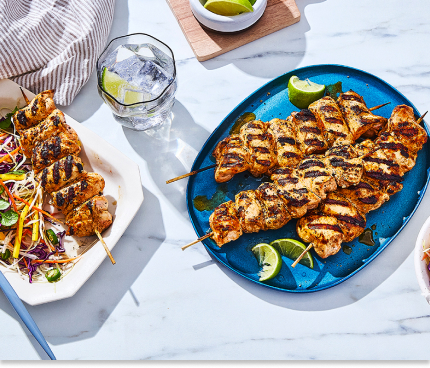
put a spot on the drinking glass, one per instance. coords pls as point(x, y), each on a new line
point(137, 79)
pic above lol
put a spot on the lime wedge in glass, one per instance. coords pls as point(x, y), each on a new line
point(292, 249)
point(118, 87)
point(269, 258)
point(229, 7)
point(303, 92)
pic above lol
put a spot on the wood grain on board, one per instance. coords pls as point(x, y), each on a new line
point(207, 44)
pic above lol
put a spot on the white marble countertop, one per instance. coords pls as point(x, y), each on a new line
point(161, 303)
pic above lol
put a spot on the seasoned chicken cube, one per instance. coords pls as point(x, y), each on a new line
point(323, 232)
point(53, 125)
point(37, 110)
point(310, 132)
point(275, 211)
point(328, 114)
point(72, 196)
point(359, 118)
point(53, 149)
point(63, 172)
point(90, 216)
point(232, 158)
point(299, 201)
point(250, 212)
point(225, 224)
point(287, 178)
point(261, 147)
point(287, 146)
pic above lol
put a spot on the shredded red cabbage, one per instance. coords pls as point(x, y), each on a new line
point(60, 246)
point(5, 168)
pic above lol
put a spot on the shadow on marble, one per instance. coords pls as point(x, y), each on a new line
point(273, 55)
point(88, 101)
point(169, 151)
point(81, 316)
point(341, 295)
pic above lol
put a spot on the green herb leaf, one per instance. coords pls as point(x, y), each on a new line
point(7, 120)
point(3, 204)
point(18, 172)
point(9, 218)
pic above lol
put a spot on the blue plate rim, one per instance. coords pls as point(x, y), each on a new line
point(368, 260)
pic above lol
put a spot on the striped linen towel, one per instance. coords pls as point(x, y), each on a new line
point(53, 44)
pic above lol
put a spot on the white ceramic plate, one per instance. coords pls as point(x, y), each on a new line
point(123, 190)
point(222, 23)
point(420, 266)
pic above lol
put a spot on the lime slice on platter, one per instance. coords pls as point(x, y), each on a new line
point(229, 7)
point(114, 85)
point(270, 260)
point(303, 92)
point(292, 249)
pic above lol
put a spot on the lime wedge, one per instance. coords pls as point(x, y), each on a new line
point(303, 92)
point(229, 7)
point(269, 258)
point(113, 84)
point(292, 249)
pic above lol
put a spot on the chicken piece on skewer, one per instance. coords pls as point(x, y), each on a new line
point(316, 176)
point(225, 224)
point(346, 167)
point(287, 146)
point(350, 220)
point(323, 232)
point(90, 216)
point(72, 196)
point(232, 157)
point(360, 120)
point(53, 149)
point(310, 132)
point(37, 110)
point(366, 196)
point(402, 126)
point(275, 212)
point(250, 212)
point(54, 124)
point(261, 146)
point(65, 171)
point(328, 114)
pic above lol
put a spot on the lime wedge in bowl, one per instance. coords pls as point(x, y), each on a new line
point(269, 258)
point(303, 92)
point(115, 86)
point(229, 7)
point(292, 249)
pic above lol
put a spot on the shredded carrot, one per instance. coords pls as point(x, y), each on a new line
point(425, 255)
point(26, 264)
point(9, 154)
point(9, 194)
point(37, 208)
point(55, 260)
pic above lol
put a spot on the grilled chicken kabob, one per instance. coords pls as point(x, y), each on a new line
point(341, 216)
point(334, 215)
point(261, 147)
point(53, 147)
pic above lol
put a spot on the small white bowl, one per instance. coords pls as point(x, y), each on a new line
point(421, 271)
point(222, 23)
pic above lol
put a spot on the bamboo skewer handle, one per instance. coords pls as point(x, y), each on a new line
point(197, 241)
point(302, 255)
point(379, 106)
point(190, 174)
point(421, 118)
point(105, 246)
point(27, 101)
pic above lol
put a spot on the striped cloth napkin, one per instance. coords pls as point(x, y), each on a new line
point(53, 44)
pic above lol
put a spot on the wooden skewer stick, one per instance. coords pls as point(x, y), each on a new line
point(27, 101)
point(105, 246)
point(198, 240)
point(421, 118)
point(302, 255)
point(191, 173)
point(379, 106)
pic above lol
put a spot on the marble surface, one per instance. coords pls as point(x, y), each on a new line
point(158, 302)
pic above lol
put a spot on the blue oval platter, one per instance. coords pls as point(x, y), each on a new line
point(271, 101)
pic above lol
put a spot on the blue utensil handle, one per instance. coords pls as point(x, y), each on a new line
point(24, 314)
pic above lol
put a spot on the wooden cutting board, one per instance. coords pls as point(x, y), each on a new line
point(207, 44)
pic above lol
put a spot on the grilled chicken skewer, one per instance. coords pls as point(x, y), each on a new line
point(282, 143)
